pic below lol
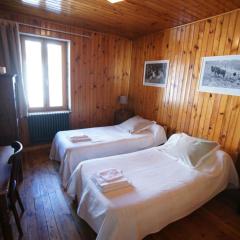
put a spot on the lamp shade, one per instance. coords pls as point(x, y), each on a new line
point(123, 100)
point(3, 70)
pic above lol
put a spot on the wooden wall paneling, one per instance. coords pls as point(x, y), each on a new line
point(132, 94)
point(207, 98)
point(209, 106)
point(183, 65)
point(118, 72)
point(159, 55)
point(127, 62)
point(73, 72)
point(104, 66)
point(180, 105)
point(166, 51)
point(193, 105)
point(141, 97)
point(76, 85)
point(187, 69)
point(177, 80)
point(106, 76)
point(236, 105)
point(125, 74)
point(82, 49)
point(146, 94)
point(114, 74)
point(110, 75)
point(231, 99)
point(84, 59)
point(200, 96)
point(158, 92)
point(235, 125)
point(171, 45)
point(101, 89)
point(93, 65)
point(189, 94)
point(76, 72)
point(99, 71)
point(94, 69)
point(174, 70)
point(190, 82)
point(95, 85)
point(200, 102)
point(88, 79)
point(217, 97)
point(224, 98)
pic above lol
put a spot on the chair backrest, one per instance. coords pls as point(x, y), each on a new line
point(15, 169)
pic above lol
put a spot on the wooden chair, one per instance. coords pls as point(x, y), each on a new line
point(13, 194)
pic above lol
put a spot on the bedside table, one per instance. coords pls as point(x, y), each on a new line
point(122, 115)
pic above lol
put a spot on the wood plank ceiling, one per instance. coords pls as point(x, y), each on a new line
point(130, 18)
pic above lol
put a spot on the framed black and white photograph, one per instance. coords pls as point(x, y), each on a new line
point(156, 73)
point(220, 74)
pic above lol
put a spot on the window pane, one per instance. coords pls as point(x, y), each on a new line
point(34, 73)
point(33, 2)
point(55, 74)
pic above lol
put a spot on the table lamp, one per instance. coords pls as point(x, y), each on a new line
point(123, 100)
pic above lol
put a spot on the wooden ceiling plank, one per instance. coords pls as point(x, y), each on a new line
point(130, 18)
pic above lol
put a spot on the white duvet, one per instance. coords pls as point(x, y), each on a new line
point(106, 141)
point(163, 190)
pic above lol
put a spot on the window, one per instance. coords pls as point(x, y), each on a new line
point(45, 73)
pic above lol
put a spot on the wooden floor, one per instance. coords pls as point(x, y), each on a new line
point(50, 215)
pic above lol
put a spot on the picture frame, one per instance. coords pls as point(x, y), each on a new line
point(156, 73)
point(220, 74)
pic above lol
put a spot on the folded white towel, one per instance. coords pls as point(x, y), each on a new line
point(111, 174)
point(80, 138)
point(110, 186)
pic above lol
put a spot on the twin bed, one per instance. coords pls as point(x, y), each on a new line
point(105, 141)
point(167, 183)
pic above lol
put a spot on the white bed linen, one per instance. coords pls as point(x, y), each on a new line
point(164, 190)
point(106, 141)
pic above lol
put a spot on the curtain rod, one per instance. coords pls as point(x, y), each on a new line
point(53, 30)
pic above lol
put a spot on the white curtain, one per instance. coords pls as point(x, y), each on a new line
point(10, 57)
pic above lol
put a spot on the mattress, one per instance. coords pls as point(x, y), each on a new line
point(163, 190)
point(106, 141)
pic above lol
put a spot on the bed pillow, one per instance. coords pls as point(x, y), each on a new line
point(159, 134)
point(136, 124)
point(192, 151)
